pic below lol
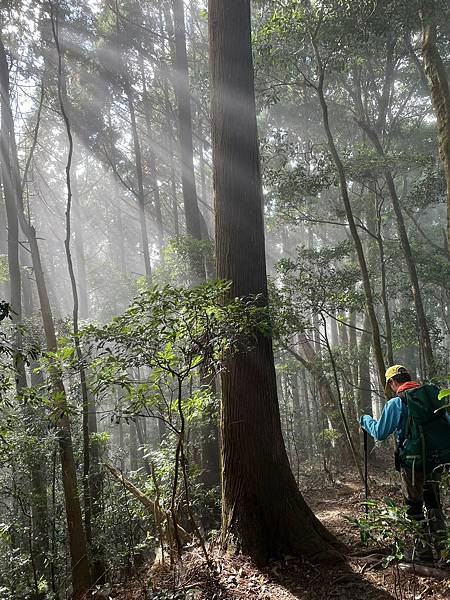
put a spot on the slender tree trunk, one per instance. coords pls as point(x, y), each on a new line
point(39, 479)
point(334, 331)
point(79, 247)
point(77, 538)
point(374, 224)
point(364, 393)
point(306, 400)
point(264, 514)
point(11, 188)
point(140, 180)
point(378, 351)
point(298, 423)
point(424, 331)
point(90, 481)
point(169, 121)
point(440, 91)
point(152, 161)
point(133, 447)
point(181, 85)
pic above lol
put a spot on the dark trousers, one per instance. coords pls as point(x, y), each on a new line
point(419, 491)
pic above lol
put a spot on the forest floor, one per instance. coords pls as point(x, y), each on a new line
point(235, 578)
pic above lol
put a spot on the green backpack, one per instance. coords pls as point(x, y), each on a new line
point(427, 434)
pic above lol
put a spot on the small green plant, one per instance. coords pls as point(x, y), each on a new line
point(388, 524)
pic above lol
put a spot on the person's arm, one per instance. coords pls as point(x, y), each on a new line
point(388, 422)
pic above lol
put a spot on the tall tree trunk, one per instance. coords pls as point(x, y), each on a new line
point(370, 306)
point(79, 246)
point(140, 180)
point(181, 84)
point(422, 323)
point(10, 177)
point(89, 425)
point(77, 538)
point(364, 396)
point(374, 224)
point(133, 447)
point(153, 173)
point(310, 441)
point(264, 514)
point(440, 91)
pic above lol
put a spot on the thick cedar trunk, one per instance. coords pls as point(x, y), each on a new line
point(263, 510)
point(440, 91)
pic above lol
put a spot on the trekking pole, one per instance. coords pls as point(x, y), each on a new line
point(366, 472)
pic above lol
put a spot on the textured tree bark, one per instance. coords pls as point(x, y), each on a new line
point(263, 512)
point(440, 91)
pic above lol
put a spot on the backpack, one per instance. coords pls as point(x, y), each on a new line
point(427, 433)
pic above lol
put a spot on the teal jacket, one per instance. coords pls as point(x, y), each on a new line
point(393, 418)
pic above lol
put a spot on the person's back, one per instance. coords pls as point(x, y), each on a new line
point(426, 443)
point(422, 427)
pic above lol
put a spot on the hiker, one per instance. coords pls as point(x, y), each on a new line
point(422, 428)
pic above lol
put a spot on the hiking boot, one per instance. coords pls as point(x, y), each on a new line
point(423, 554)
point(438, 529)
point(419, 553)
point(422, 550)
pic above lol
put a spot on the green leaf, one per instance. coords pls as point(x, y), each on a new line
point(443, 394)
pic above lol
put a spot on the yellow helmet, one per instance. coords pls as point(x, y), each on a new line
point(390, 373)
point(395, 370)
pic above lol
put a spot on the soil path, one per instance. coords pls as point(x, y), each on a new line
point(234, 578)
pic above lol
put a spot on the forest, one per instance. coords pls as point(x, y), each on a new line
point(221, 221)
